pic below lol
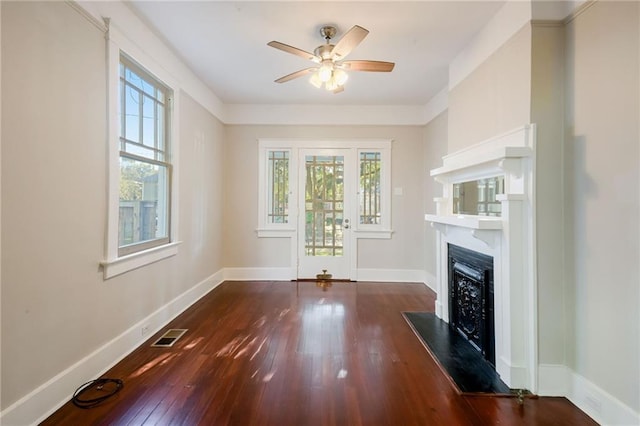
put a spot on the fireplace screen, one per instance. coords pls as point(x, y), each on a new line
point(471, 298)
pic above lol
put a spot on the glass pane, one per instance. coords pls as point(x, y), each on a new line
point(160, 131)
point(133, 78)
point(148, 88)
point(149, 122)
point(278, 187)
point(140, 150)
point(144, 202)
point(324, 200)
point(132, 118)
point(370, 187)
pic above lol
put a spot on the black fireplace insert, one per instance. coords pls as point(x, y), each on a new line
point(471, 298)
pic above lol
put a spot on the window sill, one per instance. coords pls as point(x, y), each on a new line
point(275, 232)
point(381, 234)
point(121, 265)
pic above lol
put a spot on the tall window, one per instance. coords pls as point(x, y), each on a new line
point(145, 168)
point(278, 197)
point(370, 188)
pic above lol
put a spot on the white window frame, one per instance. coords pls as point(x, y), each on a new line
point(114, 264)
point(265, 227)
point(382, 229)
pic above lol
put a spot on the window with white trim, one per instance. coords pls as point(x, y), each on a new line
point(278, 189)
point(369, 206)
point(276, 201)
point(144, 159)
point(374, 190)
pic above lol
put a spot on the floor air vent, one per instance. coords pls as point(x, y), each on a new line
point(169, 338)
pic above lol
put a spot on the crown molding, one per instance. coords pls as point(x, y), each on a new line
point(544, 23)
point(339, 115)
point(96, 21)
point(436, 105)
point(581, 7)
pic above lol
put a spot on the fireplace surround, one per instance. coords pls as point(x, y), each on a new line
point(508, 239)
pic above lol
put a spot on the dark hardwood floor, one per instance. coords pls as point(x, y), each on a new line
point(287, 353)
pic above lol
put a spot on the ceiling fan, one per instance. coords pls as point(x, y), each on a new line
point(331, 67)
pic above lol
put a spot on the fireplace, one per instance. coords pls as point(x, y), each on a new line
point(471, 298)
point(504, 287)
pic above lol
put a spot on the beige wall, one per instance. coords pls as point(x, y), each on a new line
point(435, 147)
point(56, 308)
point(547, 85)
point(495, 97)
point(602, 159)
point(244, 249)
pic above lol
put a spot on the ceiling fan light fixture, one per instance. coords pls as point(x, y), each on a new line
point(315, 80)
point(325, 71)
point(340, 76)
point(331, 85)
point(330, 71)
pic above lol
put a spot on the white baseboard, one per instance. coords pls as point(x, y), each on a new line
point(288, 274)
point(430, 280)
point(553, 380)
point(259, 274)
point(48, 397)
point(604, 408)
point(391, 275)
point(514, 376)
point(600, 405)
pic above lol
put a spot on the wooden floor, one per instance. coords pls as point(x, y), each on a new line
point(287, 353)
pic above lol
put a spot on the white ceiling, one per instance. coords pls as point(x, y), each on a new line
point(225, 44)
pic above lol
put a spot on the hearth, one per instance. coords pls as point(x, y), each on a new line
point(471, 298)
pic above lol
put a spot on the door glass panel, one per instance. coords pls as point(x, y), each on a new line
point(324, 203)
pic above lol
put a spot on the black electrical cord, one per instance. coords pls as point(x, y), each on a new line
point(98, 385)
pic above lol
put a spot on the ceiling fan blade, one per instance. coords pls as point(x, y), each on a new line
point(374, 66)
point(295, 51)
point(351, 39)
point(338, 90)
point(296, 74)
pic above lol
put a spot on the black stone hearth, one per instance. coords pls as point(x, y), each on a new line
point(471, 299)
point(462, 362)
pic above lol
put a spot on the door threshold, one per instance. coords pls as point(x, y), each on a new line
point(341, 280)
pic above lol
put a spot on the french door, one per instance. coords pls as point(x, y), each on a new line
point(326, 179)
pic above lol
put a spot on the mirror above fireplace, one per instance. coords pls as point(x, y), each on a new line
point(478, 197)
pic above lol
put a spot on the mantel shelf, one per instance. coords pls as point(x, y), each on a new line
point(456, 163)
point(467, 221)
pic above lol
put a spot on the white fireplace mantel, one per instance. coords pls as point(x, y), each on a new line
point(509, 239)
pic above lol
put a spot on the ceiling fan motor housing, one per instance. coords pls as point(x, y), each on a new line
point(324, 51)
point(328, 32)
